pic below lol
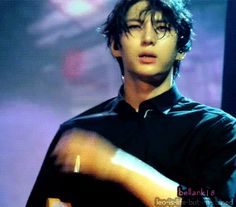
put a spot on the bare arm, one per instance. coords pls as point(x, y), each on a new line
point(87, 153)
point(142, 180)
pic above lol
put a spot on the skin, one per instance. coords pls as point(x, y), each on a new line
point(142, 80)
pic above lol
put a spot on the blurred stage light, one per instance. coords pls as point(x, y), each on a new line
point(73, 66)
point(77, 8)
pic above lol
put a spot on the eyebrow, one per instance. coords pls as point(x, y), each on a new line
point(141, 21)
point(134, 20)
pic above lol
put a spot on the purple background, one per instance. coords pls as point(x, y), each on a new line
point(55, 65)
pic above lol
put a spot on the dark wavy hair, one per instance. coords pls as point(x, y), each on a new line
point(174, 13)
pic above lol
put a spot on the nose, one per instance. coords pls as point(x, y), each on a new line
point(149, 36)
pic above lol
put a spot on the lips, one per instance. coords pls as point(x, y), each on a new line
point(147, 58)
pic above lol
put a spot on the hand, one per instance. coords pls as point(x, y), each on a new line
point(94, 151)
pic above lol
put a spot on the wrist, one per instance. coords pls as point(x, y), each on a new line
point(129, 166)
point(119, 170)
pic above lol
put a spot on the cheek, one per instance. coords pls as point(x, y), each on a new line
point(168, 51)
point(128, 53)
point(128, 57)
point(129, 43)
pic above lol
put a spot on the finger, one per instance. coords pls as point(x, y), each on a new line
point(69, 162)
point(59, 148)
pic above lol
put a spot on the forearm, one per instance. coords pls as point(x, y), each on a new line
point(87, 153)
point(142, 180)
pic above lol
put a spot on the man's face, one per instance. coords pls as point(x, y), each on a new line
point(149, 50)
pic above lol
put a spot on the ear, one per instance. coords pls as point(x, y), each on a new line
point(115, 51)
point(180, 56)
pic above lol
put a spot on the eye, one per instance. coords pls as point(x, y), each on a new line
point(134, 27)
point(162, 28)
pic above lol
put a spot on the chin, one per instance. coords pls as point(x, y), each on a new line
point(155, 79)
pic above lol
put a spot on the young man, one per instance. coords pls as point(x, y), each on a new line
point(149, 146)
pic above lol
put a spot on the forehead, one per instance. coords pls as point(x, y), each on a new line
point(136, 11)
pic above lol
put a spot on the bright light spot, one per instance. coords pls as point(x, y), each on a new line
point(76, 7)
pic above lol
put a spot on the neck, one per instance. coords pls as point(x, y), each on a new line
point(137, 91)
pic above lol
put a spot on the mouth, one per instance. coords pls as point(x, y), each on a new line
point(147, 58)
